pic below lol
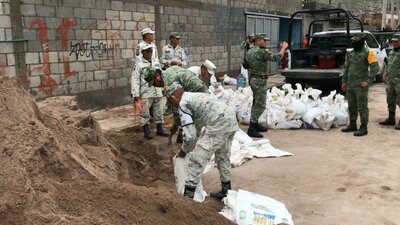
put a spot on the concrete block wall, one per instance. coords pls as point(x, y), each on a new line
point(87, 45)
point(7, 58)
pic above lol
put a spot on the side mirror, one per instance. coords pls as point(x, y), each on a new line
point(384, 45)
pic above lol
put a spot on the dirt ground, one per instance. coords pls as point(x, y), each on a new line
point(333, 177)
point(58, 167)
point(62, 165)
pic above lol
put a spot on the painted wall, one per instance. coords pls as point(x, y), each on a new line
point(87, 45)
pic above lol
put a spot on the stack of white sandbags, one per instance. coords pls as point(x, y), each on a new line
point(289, 108)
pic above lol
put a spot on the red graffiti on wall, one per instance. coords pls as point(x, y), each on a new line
point(48, 84)
point(63, 29)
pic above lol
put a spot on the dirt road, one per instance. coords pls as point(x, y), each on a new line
point(333, 177)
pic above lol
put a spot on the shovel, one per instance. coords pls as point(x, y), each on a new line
point(162, 150)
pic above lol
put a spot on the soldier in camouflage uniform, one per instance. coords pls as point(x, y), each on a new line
point(189, 81)
point(359, 73)
point(246, 45)
point(173, 54)
point(393, 82)
point(258, 57)
point(142, 91)
point(198, 111)
point(206, 72)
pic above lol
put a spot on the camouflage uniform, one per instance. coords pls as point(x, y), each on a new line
point(197, 70)
point(154, 59)
point(150, 95)
point(189, 81)
point(198, 110)
point(258, 59)
point(356, 72)
point(170, 54)
point(393, 82)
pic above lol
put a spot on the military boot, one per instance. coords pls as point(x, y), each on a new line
point(350, 128)
point(362, 131)
point(261, 129)
point(388, 121)
point(224, 190)
point(252, 132)
point(160, 130)
point(397, 127)
point(179, 138)
point(189, 191)
point(147, 133)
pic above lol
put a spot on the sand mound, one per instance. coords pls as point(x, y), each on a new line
point(57, 167)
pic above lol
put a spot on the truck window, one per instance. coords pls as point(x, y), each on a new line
point(371, 42)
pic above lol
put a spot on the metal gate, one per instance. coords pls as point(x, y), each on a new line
point(270, 26)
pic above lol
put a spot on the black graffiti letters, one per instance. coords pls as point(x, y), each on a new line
point(87, 49)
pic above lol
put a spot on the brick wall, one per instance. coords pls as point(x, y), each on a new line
point(7, 58)
point(87, 45)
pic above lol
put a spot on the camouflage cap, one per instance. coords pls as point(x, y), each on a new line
point(357, 37)
point(175, 34)
point(396, 37)
point(171, 89)
point(149, 74)
point(261, 36)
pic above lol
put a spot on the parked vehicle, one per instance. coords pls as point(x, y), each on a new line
point(321, 62)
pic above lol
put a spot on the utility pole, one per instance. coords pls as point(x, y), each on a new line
point(392, 14)
point(384, 13)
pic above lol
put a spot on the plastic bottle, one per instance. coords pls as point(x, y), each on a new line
point(241, 81)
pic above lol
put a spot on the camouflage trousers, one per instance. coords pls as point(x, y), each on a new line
point(206, 146)
point(357, 98)
point(157, 111)
point(259, 88)
point(393, 95)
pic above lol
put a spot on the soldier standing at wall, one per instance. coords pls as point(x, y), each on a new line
point(188, 80)
point(143, 92)
point(198, 110)
point(258, 57)
point(359, 72)
point(393, 82)
point(148, 38)
point(173, 54)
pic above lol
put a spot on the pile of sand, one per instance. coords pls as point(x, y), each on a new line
point(57, 167)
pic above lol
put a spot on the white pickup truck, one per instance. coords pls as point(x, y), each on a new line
point(322, 61)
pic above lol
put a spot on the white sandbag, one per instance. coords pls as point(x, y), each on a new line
point(325, 120)
point(263, 148)
point(341, 113)
point(230, 205)
point(242, 136)
point(299, 108)
point(239, 155)
point(309, 117)
point(243, 116)
point(180, 171)
point(262, 120)
point(244, 72)
point(229, 80)
point(251, 208)
point(291, 124)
